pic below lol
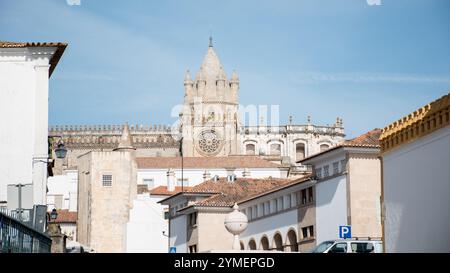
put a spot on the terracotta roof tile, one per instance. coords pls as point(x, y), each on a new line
point(56, 57)
point(205, 162)
point(66, 216)
point(371, 138)
point(162, 190)
point(225, 194)
point(367, 140)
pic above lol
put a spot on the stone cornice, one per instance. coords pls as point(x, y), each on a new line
point(419, 123)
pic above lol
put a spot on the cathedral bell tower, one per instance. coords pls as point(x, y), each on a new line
point(209, 119)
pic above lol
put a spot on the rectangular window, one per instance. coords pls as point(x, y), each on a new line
point(166, 215)
point(185, 182)
point(150, 182)
point(267, 208)
point(255, 211)
point(311, 231)
point(305, 232)
point(280, 204)
point(288, 201)
point(193, 249)
point(343, 165)
point(298, 197)
point(250, 213)
point(107, 180)
point(304, 197)
point(326, 172)
point(193, 219)
point(310, 194)
point(319, 172)
point(308, 232)
point(335, 168)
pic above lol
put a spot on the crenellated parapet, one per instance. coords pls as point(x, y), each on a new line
point(423, 121)
point(113, 129)
point(93, 137)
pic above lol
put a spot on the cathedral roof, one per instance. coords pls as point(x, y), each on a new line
point(56, 57)
point(205, 162)
point(211, 68)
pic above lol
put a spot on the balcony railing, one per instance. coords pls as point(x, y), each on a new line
point(16, 237)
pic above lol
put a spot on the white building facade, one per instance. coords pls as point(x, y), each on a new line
point(416, 180)
point(25, 69)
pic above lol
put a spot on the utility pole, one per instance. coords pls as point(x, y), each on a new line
point(19, 186)
point(182, 164)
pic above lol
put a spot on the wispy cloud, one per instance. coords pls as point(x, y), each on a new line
point(315, 77)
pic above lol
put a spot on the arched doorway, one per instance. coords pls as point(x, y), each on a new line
point(264, 243)
point(252, 245)
point(278, 242)
point(242, 246)
point(292, 241)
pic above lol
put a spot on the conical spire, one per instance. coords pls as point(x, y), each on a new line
point(234, 77)
point(200, 75)
point(211, 66)
point(187, 77)
point(221, 75)
point(125, 140)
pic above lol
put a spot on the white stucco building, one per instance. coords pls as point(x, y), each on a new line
point(345, 189)
point(62, 191)
point(25, 69)
point(416, 180)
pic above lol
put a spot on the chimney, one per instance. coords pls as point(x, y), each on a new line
point(206, 176)
point(170, 180)
point(246, 173)
point(231, 178)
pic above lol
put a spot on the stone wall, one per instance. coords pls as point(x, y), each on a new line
point(104, 218)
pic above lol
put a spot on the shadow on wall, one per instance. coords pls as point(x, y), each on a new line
point(328, 191)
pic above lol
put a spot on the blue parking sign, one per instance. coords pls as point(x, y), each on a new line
point(345, 232)
point(172, 249)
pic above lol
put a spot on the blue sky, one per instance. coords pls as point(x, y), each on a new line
point(369, 64)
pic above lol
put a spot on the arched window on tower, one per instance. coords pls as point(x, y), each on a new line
point(299, 151)
point(275, 149)
point(324, 147)
point(250, 149)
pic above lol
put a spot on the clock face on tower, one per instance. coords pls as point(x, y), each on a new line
point(209, 142)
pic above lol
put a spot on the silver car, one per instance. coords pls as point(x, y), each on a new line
point(349, 246)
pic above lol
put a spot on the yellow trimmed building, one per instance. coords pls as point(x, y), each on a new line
point(415, 152)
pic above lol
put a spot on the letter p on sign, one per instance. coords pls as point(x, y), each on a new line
point(345, 232)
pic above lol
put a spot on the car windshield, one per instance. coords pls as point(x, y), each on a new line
point(322, 247)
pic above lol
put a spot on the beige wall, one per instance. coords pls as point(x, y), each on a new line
point(104, 211)
point(212, 234)
point(364, 191)
point(306, 217)
point(83, 204)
